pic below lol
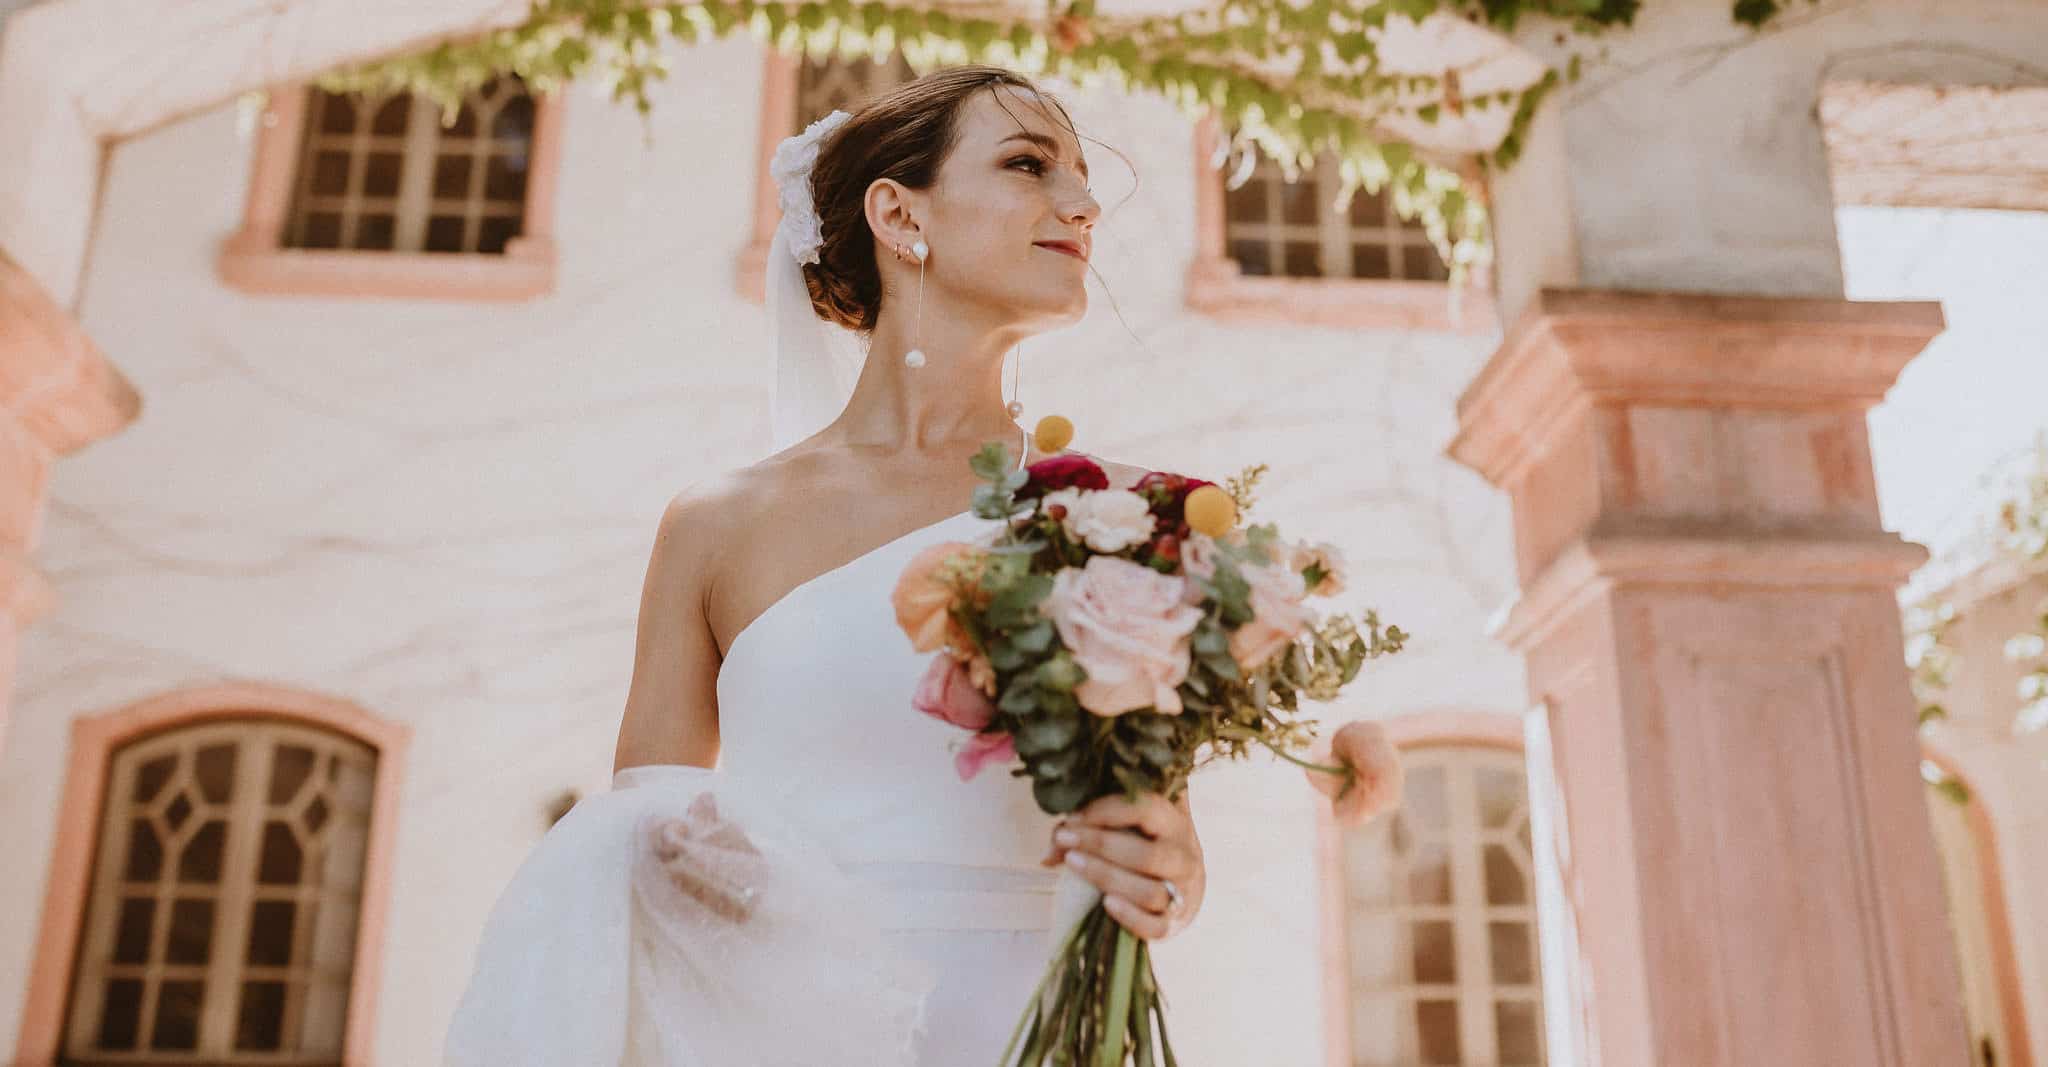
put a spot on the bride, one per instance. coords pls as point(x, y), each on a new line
point(788, 869)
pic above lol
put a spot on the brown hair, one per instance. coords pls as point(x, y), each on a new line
point(904, 135)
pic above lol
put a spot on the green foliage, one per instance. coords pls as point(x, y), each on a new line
point(1221, 59)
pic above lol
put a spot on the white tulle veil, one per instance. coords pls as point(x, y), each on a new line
point(816, 362)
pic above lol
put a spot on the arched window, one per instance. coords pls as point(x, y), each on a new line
point(823, 85)
point(1978, 934)
point(1441, 918)
point(225, 894)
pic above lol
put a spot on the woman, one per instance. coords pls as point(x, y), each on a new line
point(833, 892)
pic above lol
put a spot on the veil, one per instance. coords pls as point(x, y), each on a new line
point(816, 363)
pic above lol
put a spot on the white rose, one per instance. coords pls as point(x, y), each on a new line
point(1106, 520)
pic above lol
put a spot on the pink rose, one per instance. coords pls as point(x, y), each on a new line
point(1376, 775)
point(982, 750)
point(1127, 625)
point(1278, 615)
point(948, 693)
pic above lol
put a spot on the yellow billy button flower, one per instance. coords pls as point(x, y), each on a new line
point(1210, 511)
point(1054, 432)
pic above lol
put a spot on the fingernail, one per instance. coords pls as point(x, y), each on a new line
point(1076, 860)
point(1065, 837)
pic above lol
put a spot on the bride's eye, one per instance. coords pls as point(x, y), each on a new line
point(1037, 164)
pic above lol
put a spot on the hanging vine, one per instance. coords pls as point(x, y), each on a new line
point(2021, 535)
point(1292, 78)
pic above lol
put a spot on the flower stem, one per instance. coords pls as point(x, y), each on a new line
point(1111, 1052)
point(1338, 769)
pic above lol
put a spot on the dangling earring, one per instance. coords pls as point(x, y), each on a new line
point(915, 357)
point(1016, 373)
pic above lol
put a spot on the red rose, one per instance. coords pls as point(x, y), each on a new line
point(1168, 493)
point(1062, 472)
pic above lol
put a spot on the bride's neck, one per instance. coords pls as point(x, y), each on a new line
point(957, 395)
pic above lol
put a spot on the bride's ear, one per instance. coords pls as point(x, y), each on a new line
point(892, 209)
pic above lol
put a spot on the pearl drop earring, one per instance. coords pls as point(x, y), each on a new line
point(1016, 374)
point(915, 357)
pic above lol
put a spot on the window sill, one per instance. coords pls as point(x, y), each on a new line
point(1216, 288)
point(525, 271)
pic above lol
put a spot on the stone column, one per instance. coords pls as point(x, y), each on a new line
point(1707, 611)
point(57, 394)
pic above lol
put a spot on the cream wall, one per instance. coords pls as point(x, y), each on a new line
point(442, 512)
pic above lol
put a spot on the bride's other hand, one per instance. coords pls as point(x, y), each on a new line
point(1129, 851)
point(710, 859)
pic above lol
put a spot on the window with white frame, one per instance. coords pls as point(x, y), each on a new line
point(1274, 227)
point(1963, 873)
point(1441, 918)
point(227, 882)
point(382, 174)
point(838, 83)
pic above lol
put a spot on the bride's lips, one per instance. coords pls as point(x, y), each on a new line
point(1067, 247)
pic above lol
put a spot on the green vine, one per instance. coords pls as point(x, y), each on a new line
point(1295, 78)
point(2022, 536)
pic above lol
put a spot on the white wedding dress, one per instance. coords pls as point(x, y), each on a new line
point(904, 918)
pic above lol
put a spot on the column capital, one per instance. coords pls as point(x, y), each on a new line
point(1571, 347)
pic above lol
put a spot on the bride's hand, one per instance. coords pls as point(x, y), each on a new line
point(1129, 851)
point(710, 859)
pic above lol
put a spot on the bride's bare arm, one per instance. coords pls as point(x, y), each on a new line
point(672, 704)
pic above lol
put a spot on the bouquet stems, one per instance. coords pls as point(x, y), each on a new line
point(1096, 1004)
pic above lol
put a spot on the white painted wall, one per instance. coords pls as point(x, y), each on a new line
point(443, 512)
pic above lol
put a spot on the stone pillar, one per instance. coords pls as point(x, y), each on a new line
point(1707, 611)
point(57, 394)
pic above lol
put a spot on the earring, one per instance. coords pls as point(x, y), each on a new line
point(915, 357)
point(1016, 374)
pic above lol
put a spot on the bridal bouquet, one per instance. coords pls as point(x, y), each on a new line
point(1105, 638)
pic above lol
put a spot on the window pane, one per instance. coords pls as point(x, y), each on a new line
point(145, 853)
point(1298, 199)
point(1504, 883)
point(505, 177)
point(376, 233)
point(1513, 952)
point(393, 116)
point(1367, 209)
point(444, 234)
point(260, 1024)
point(495, 232)
point(270, 933)
point(1435, 952)
point(177, 1016)
point(1246, 203)
point(289, 768)
point(1514, 1027)
point(330, 174)
point(1436, 1023)
point(1252, 257)
point(1304, 259)
point(323, 230)
point(200, 862)
point(151, 777)
point(1425, 801)
point(120, 1014)
point(514, 120)
point(191, 932)
point(131, 937)
point(1429, 873)
point(281, 857)
point(451, 176)
point(214, 770)
point(1371, 261)
point(380, 175)
point(1421, 261)
point(337, 113)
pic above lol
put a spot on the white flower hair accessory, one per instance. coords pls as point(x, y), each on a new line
point(791, 169)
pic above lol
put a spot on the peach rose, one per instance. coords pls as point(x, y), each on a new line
point(922, 597)
point(948, 693)
point(1375, 779)
point(1278, 615)
point(1127, 626)
point(1326, 556)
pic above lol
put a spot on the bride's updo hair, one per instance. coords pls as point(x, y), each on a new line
point(903, 135)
